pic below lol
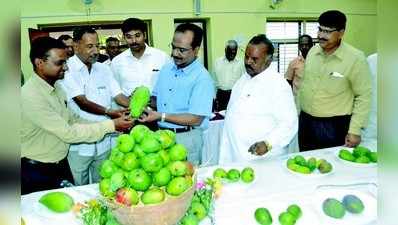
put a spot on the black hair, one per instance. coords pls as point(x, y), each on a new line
point(306, 36)
point(333, 19)
point(78, 32)
point(109, 39)
point(262, 39)
point(196, 30)
point(133, 24)
point(64, 37)
point(41, 46)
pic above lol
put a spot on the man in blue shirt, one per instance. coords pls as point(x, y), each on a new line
point(184, 92)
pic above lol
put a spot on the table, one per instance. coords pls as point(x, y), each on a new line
point(273, 183)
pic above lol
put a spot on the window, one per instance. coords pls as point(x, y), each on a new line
point(284, 35)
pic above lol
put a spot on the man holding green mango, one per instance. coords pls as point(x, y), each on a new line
point(184, 92)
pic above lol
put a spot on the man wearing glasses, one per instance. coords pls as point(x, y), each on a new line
point(335, 94)
point(184, 92)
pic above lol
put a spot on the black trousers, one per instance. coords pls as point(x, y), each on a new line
point(38, 176)
point(222, 98)
point(317, 133)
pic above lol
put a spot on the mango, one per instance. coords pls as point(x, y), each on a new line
point(300, 160)
point(360, 151)
point(311, 164)
point(139, 100)
point(59, 202)
point(325, 167)
point(353, 204)
point(362, 159)
point(333, 208)
point(373, 157)
point(346, 155)
point(295, 210)
point(263, 216)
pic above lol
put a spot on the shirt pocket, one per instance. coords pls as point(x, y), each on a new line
point(335, 83)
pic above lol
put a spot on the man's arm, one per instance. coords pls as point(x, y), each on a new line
point(185, 119)
point(50, 120)
point(361, 84)
point(92, 107)
point(122, 100)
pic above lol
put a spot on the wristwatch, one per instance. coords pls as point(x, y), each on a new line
point(163, 117)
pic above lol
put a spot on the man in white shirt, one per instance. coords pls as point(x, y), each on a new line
point(370, 132)
point(227, 70)
point(140, 63)
point(261, 116)
point(90, 88)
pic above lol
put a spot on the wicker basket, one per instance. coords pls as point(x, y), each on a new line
point(168, 212)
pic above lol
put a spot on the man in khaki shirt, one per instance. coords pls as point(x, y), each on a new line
point(336, 90)
point(48, 127)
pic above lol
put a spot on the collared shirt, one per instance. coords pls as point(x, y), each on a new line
point(98, 86)
point(186, 90)
point(261, 108)
point(226, 73)
point(131, 72)
point(337, 84)
point(48, 127)
point(295, 72)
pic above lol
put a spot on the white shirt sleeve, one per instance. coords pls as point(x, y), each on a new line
point(113, 84)
point(71, 87)
point(286, 115)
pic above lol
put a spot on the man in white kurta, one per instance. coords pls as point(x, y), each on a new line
point(261, 111)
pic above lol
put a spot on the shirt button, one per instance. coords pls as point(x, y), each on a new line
point(170, 89)
point(164, 104)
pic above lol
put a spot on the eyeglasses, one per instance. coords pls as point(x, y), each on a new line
point(326, 31)
point(181, 50)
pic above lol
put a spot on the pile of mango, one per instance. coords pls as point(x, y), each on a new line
point(336, 209)
point(300, 165)
point(289, 217)
point(145, 166)
point(360, 154)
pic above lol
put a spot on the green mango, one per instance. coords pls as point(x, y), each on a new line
point(346, 155)
point(311, 164)
point(333, 208)
point(139, 100)
point(295, 210)
point(362, 159)
point(59, 202)
point(263, 216)
point(360, 151)
point(353, 204)
point(300, 160)
point(373, 157)
point(303, 169)
point(325, 167)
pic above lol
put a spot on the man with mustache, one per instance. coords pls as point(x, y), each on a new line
point(47, 126)
point(184, 92)
point(335, 94)
point(261, 117)
point(140, 63)
point(90, 88)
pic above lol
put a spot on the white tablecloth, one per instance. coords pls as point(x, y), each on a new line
point(274, 187)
